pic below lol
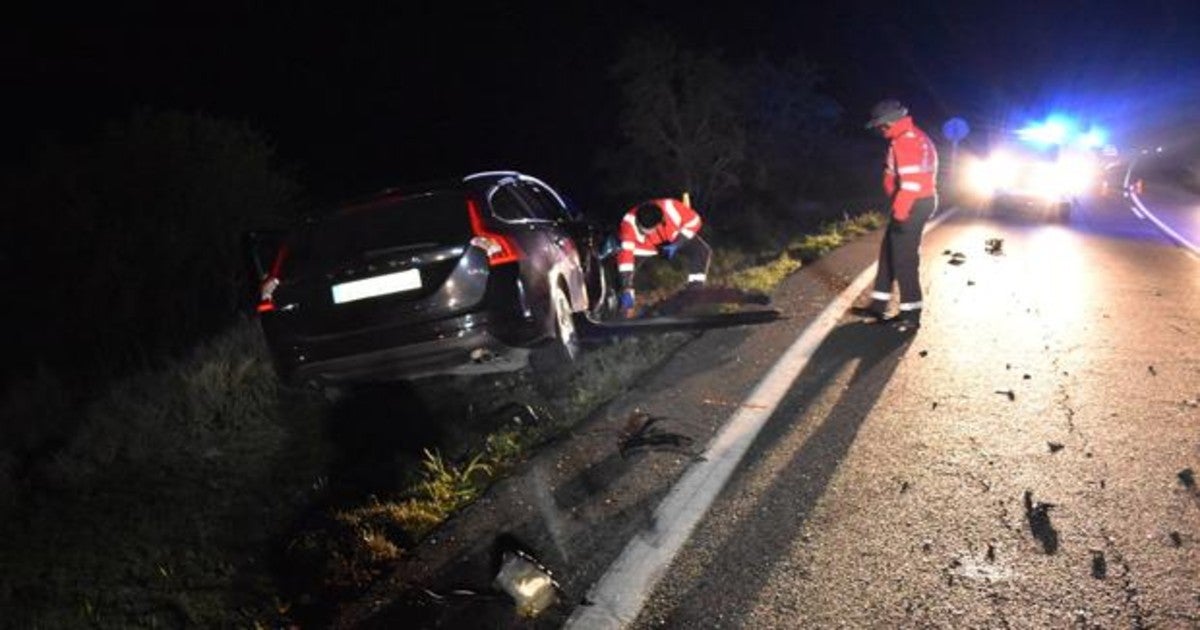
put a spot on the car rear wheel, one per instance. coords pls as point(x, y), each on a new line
point(564, 348)
point(602, 292)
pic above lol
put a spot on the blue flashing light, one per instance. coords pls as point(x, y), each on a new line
point(1059, 130)
point(1055, 130)
point(1094, 138)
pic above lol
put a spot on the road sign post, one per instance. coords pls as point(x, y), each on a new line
point(955, 130)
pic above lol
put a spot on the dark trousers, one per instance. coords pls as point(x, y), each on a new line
point(899, 261)
point(696, 256)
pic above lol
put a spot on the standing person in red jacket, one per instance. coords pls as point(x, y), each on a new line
point(660, 226)
point(910, 181)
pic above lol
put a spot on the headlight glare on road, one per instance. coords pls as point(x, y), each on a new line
point(1077, 174)
point(997, 172)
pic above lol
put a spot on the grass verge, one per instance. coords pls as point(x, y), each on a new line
point(204, 494)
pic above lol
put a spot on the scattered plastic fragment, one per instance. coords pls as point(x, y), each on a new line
point(1099, 565)
point(1176, 539)
point(518, 413)
point(1026, 377)
point(958, 258)
point(529, 583)
point(1038, 516)
point(1055, 446)
point(1007, 392)
point(994, 246)
point(1187, 477)
point(991, 553)
point(640, 432)
point(970, 283)
point(1153, 372)
point(923, 353)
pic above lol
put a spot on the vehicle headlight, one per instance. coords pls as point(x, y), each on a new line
point(997, 172)
point(1077, 174)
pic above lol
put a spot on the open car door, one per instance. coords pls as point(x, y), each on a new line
point(259, 250)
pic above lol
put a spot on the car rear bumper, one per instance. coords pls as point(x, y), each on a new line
point(475, 351)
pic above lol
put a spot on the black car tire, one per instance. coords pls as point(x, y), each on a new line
point(563, 349)
point(604, 303)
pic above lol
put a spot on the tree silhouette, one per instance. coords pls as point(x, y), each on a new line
point(745, 139)
point(680, 122)
point(127, 246)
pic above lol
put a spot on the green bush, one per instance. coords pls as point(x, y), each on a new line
point(142, 224)
point(764, 278)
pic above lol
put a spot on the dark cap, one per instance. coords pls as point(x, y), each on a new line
point(886, 112)
point(648, 215)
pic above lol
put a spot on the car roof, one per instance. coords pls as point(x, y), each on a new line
point(475, 181)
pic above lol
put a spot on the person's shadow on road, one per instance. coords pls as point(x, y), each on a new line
point(744, 562)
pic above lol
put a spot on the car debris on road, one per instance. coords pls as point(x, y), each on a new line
point(640, 432)
point(1037, 514)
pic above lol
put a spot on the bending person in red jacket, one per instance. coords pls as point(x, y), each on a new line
point(660, 226)
point(910, 181)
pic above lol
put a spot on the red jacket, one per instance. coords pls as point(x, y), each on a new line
point(679, 219)
point(910, 172)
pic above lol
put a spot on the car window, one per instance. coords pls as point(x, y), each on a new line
point(543, 202)
point(508, 205)
point(415, 221)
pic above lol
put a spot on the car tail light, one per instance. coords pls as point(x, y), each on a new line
point(499, 248)
point(266, 292)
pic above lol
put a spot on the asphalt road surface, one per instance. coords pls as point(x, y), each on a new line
point(1027, 459)
point(1177, 208)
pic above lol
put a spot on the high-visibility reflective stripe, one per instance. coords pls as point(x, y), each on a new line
point(911, 306)
point(913, 186)
point(673, 212)
point(645, 252)
point(625, 267)
point(637, 233)
point(881, 295)
point(697, 277)
point(909, 170)
point(687, 233)
point(628, 245)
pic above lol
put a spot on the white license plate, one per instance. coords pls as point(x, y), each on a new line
point(379, 285)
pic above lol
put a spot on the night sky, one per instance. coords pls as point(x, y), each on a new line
point(359, 98)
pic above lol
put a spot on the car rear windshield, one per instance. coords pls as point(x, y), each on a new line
point(394, 225)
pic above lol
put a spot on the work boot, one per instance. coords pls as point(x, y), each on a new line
point(905, 321)
point(873, 312)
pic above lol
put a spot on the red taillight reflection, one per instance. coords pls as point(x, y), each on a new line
point(499, 248)
point(266, 291)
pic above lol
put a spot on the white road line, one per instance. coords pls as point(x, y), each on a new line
point(1164, 227)
point(618, 596)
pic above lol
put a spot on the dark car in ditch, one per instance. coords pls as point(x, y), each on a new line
point(480, 274)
